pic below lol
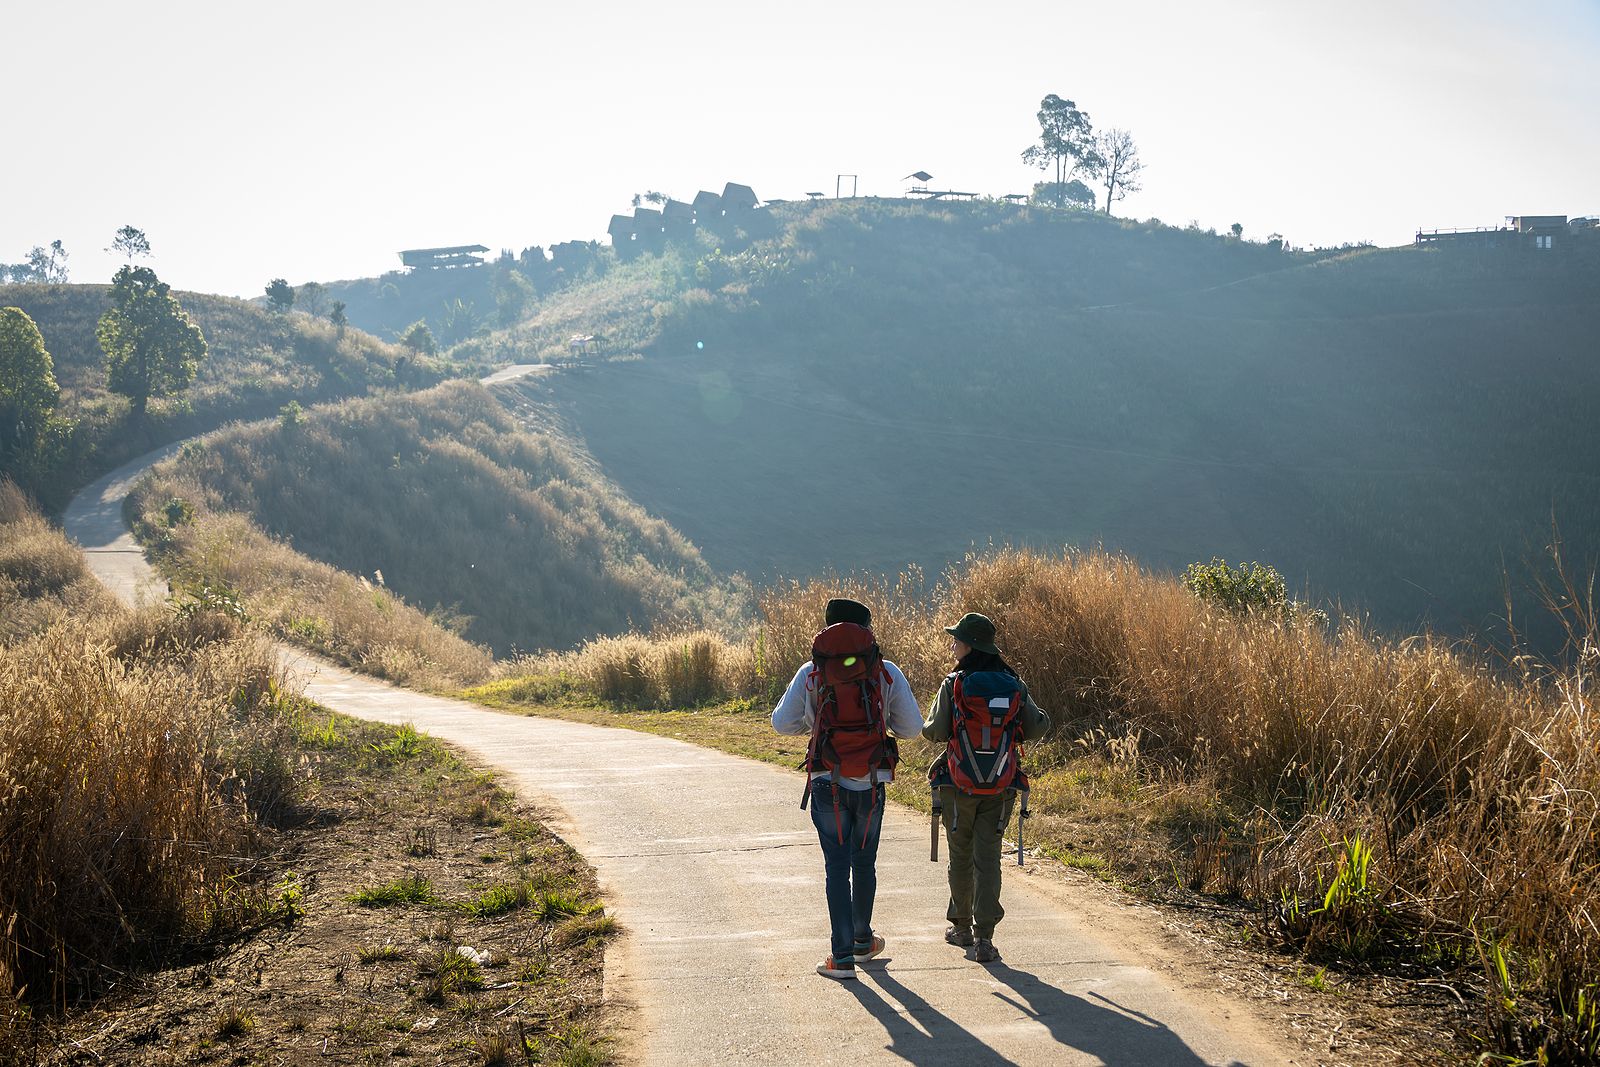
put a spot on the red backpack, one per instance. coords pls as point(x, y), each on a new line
point(849, 737)
point(984, 756)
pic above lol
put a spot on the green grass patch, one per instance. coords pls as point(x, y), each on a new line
point(412, 889)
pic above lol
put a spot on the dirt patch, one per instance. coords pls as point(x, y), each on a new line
point(438, 920)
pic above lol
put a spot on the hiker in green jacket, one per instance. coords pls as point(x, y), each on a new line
point(983, 711)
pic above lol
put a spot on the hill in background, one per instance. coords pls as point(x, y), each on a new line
point(443, 497)
point(258, 362)
point(883, 384)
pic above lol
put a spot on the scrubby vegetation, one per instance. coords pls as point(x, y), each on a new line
point(138, 754)
point(440, 497)
point(167, 801)
point(1382, 805)
point(257, 362)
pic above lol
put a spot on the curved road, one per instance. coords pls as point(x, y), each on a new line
point(715, 874)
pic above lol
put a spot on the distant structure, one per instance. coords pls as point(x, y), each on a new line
point(922, 178)
point(416, 259)
point(648, 229)
point(738, 198)
point(1542, 233)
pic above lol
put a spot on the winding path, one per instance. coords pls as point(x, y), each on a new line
point(715, 874)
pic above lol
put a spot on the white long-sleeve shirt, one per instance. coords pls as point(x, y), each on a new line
point(796, 713)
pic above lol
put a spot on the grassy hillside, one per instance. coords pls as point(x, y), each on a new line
point(884, 384)
point(441, 497)
point(258, 362)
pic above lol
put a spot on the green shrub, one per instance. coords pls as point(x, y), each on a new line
point(1249, 587)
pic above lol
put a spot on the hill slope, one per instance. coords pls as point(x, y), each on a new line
point(258, 361)
point(883, 384)
point(444, 498)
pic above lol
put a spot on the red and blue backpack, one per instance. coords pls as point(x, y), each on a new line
point(849, 735)
point(984, 756)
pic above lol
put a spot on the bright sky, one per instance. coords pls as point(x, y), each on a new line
point(313, 140)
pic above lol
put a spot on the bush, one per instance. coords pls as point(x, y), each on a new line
point(1243, 589)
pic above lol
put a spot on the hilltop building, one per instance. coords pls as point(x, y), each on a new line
point(443, 258)
point(1542, 233)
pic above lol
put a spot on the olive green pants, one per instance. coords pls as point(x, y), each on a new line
point(973, 829)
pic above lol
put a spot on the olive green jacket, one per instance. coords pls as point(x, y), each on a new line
point(1035, 722)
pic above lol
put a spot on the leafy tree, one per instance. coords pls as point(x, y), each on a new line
point(153, 348)
point(313, 298)
point(1074, 193)
point(48, 264)
point(281, 294)
point(1237, 229)
point(28, 391)
point(419, 339)
point(513, 293)
point(461, 320)
point(1117, 164)
point(337, 316)
point(1066, 141)
point(131, 243)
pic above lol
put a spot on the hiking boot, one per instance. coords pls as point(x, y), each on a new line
point(959, 934)
point(985, 952)
point(865, 950)
point(837, 968)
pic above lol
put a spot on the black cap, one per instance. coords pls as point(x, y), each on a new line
point(842, 609)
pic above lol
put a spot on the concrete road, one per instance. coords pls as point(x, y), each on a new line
point(716, 876)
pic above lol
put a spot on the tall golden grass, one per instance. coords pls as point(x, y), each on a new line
point(137, 752)
point(349, 619)
point(1404, 800)
point(43, 578)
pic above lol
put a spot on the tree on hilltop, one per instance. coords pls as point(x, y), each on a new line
point(28, 391)
point(1066, 141)
point(153, 349)
point(312, 298)
point(130, 242)
point(280, 294)
point(1117, 164)
point(1074, 193)
point(48, 264)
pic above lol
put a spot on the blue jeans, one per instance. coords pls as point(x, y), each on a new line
point(851, 865)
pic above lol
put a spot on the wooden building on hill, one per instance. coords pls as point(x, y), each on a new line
point(736, 198)
point(677, 218)
point(624, 231)
point(443, 258)
point(707, 205)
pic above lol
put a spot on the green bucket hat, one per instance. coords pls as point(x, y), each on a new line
point(975, 630)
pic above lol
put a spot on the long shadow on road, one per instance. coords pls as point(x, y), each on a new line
point(1083, 1029)
point(1095, 1025)
point(937, 1040)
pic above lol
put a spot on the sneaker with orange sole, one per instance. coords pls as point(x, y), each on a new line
point(837, 968)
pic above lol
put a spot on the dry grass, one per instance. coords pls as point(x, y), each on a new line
point(353, 621)
point(137, 752)
point(1384, 803)
point(43, 578)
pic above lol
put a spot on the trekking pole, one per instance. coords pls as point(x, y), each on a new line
point(933, 840)
point(1022, 817)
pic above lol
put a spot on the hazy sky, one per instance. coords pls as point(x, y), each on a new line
point(314, 140)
